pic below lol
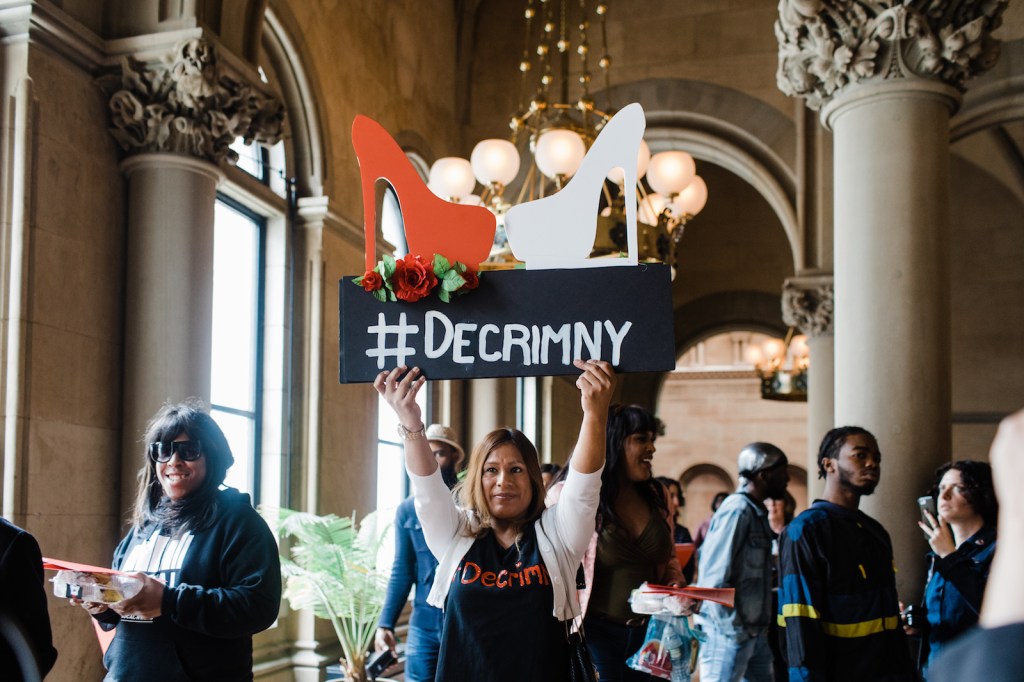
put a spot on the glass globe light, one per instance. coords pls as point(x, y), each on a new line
point(559, 152)
point(773, 349)
point(798, 346)
point(494, 161)
point(692, 199)
point(670, 172)
point(650, 208)
point(753, 355)
point(643, 157)
point(453, 177)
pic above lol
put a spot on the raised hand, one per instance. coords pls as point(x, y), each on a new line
point(596, 384)
point(939, 535)
point(400, 393)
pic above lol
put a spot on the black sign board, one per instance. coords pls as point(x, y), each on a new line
point(517, 323)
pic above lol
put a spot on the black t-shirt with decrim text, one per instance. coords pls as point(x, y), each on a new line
point(498, 622)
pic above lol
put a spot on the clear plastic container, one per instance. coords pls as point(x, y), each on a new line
point(99, 588)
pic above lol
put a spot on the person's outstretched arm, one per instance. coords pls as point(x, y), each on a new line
point(577, 505)
point(1004, 596)
point(434, 505)
point(596, 384)
point(400, 393)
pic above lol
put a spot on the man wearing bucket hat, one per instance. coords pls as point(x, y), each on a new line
point(737, 553)
point(414, 563)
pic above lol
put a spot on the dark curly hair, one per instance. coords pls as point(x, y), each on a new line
point(978, 488)
point(624, 421)
point(833, 442)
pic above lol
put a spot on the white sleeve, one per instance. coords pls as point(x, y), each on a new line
point(436, 511)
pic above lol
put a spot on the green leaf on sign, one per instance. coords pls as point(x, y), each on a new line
point(441, 265)
point(452, 280)
point(443, 295)
point(387, 267)
point(380, 295)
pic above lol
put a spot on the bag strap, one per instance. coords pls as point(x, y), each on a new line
point(576, 622)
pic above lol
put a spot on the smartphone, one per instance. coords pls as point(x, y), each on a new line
point(379, 662)
point(927, 504)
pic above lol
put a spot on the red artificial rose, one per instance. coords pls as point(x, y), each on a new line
point(413, 278)
point(372, 281)
point(472, 281)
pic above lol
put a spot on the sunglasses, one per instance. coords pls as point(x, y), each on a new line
point(187, 451)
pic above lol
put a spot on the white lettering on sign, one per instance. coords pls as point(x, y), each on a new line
point(429, 348)
point(548, 336)
point(399, 351)
point(484, 355)
point(511, 342)
point(461, 329)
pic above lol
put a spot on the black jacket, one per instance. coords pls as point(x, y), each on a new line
point(225, 587)
point(23, 612)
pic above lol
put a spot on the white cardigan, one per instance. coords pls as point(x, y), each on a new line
point(563, 533)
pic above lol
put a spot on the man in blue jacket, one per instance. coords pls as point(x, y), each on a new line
point(415, 563)
point(737, 553)
point(837, 590)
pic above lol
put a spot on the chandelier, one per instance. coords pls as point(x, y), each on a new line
point(782, 366)
point(557, 129)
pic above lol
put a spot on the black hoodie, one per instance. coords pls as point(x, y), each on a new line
point(224, 585)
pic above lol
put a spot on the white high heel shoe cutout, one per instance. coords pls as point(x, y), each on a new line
point(559, 231)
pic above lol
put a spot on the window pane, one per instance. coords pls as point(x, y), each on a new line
point(391, 223)
point(250, 157)
point(392, 486)
point(387, 422)
point(235, 299)
point(241, 435)
point(390, 478)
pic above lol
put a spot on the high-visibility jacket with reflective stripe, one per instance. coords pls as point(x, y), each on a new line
point(837, 598)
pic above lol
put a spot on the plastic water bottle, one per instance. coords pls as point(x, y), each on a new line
point(673, 641)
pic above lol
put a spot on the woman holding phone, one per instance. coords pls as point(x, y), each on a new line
point(963, 540)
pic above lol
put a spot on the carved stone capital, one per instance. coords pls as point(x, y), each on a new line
point(807, 304)
point(827, 45)
point(184, 104)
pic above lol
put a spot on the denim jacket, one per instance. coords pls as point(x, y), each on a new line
point(737, 553)
point(414, 565)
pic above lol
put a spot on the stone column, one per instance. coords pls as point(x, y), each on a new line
point(310, 215)
point(807, 304)
point(176, 119)
point(887, 77)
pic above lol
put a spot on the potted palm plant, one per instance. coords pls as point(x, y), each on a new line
point(332, 571)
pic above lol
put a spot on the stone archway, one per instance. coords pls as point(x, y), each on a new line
point(699, 319)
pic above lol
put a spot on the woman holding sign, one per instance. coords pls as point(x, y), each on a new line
point(507, 565)
point(208, 563)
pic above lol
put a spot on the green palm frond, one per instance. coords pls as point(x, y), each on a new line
point(332, 571)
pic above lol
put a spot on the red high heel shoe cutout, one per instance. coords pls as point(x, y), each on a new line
point(432, 225)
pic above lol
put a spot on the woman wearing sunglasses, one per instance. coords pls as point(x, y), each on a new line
point(208, 563)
